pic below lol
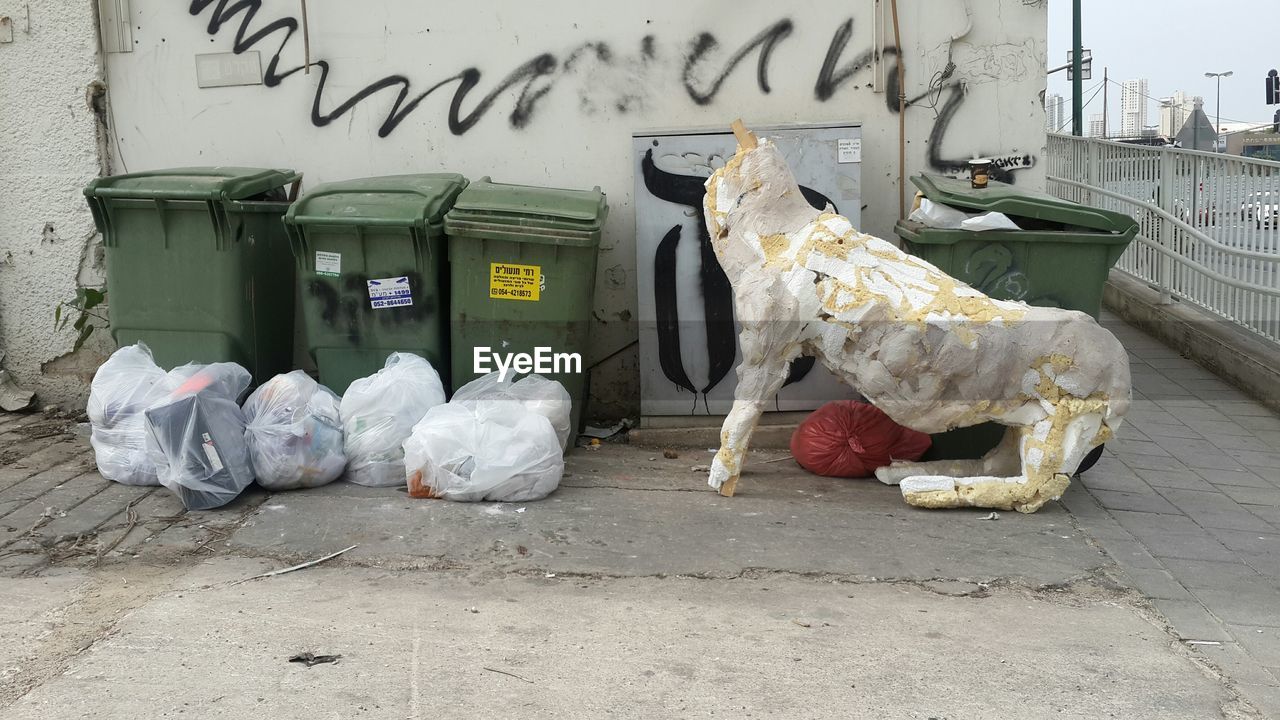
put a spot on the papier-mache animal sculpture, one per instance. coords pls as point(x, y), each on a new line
point(928, 350)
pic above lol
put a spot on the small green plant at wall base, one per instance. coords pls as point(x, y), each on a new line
point(82, 309)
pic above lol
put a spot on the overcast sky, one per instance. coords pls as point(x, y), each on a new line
point(1173, 43)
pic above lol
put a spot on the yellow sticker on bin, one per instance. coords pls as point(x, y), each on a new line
point(515, 282)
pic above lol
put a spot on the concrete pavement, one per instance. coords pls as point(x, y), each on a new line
point(451, 644)
point(636, 590)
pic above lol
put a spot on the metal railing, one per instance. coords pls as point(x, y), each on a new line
point(1210, 223)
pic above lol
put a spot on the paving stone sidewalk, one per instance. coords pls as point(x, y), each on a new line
point(1187, 503)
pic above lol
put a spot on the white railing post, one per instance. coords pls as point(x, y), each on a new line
point(1093, 162)
point(1165, 278)
point(1209, 227)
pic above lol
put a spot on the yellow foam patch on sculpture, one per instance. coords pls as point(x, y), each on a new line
point(1104, 434)
point(1066, 409)
point(980, 412)
point(857, 297)
point(823, 238)
point(775, 249)
point(970, 309)
point(1025, 497)
point(713, 217)
point(713, 194)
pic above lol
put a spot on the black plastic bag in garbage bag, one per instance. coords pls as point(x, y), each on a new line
point(197, 438)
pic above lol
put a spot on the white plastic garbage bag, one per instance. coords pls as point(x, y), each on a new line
point(945, 217)
point(496, 440)
point(378, 413)
point(195, 436)
point(935, 215)
point(545, 397)
point(499, 451)
point(989, 221)
point(294, 433)
point(128, 383)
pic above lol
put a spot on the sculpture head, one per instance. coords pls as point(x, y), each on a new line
point(754, 196)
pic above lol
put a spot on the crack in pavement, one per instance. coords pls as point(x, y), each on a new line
point(635, 489)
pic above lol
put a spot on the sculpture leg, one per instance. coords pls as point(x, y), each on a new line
point(1049, 452)
point(899, 471)
point(760, 377)
point(1001, 460)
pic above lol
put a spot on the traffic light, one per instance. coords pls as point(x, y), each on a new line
point(1273, 88)
point(1275, 122)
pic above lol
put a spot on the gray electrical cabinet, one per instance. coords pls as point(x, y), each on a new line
point(688, 336)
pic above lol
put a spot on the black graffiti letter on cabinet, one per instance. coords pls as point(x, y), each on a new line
point(717, 293)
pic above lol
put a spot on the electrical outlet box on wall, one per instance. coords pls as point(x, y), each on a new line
point(115, 25)
point(14, 17)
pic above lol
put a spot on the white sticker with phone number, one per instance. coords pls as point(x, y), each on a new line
point(389, 293)
point(328, 264)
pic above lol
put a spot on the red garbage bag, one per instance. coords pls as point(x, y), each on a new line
point(847, 438)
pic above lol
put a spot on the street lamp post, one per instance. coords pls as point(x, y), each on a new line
point(1217, 128)
point(1077, 69)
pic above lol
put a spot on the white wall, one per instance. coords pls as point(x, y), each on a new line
point(561, 85)
point(48, 153)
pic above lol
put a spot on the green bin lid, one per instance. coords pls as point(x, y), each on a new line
point(1015, 202)
point(396, 200)
point(491, 202)
point(194, 183)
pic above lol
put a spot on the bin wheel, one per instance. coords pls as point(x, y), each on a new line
point(1090, 460)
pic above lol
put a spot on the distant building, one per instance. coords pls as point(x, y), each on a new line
point(1255, 140)
point(1230, 129)
point(1175, 110)
point(1096, 125)
point(1133, 107)
point(1055, 113)
point(1261, 145)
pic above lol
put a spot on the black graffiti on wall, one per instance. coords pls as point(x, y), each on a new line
point(705, 43)
point(717, 293)
point(702, 76)
point(533, 79)
point(831, 76)
point(956, 166)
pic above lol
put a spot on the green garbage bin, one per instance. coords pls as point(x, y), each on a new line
point(523, 266)
point(1060, 258)
point(198, 265)
point(371, 263)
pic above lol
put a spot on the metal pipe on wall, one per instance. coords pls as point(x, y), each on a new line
point(902, 117)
